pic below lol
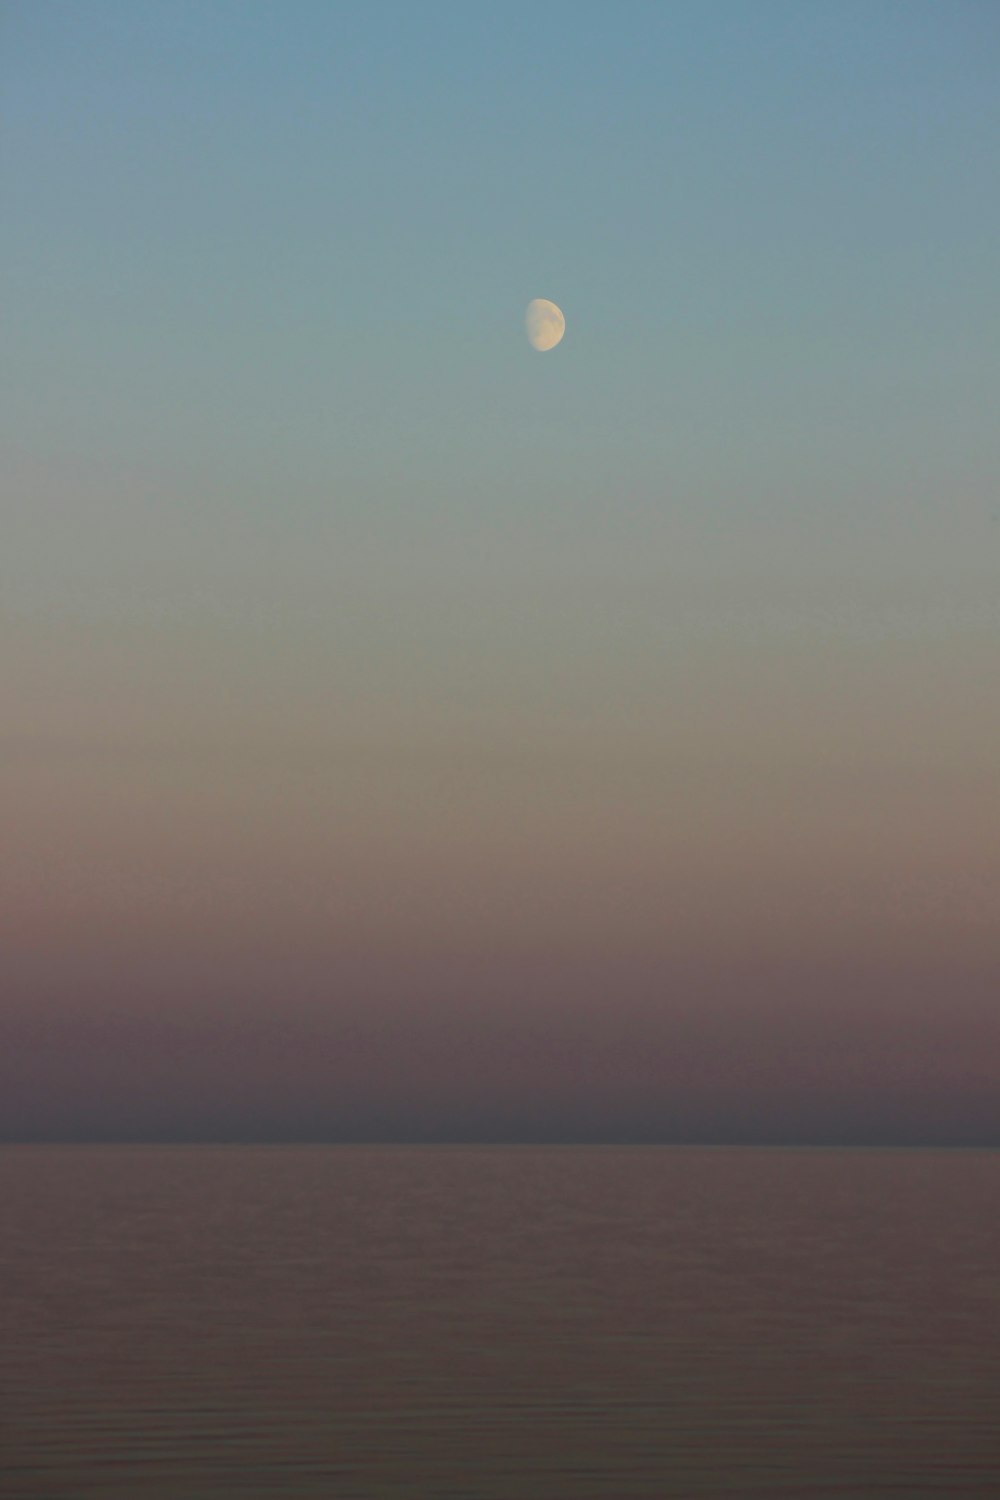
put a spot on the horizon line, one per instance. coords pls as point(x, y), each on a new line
point(277, 1143)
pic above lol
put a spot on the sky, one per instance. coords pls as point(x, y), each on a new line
point(406, 735)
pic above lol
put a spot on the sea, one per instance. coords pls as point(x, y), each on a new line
point(485, 1323)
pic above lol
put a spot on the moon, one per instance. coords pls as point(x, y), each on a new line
point(545, 324)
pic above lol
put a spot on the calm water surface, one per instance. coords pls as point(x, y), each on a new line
point(380, 1322)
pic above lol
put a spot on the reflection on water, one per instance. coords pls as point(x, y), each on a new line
point(498, 1323)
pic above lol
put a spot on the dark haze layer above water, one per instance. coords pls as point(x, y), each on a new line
point(490, 1322)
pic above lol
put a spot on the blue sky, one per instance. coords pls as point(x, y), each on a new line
point(301, 239)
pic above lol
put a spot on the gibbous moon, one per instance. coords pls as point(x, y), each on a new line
point(545, 324)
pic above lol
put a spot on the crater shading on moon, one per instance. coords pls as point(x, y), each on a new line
point(545, 324)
